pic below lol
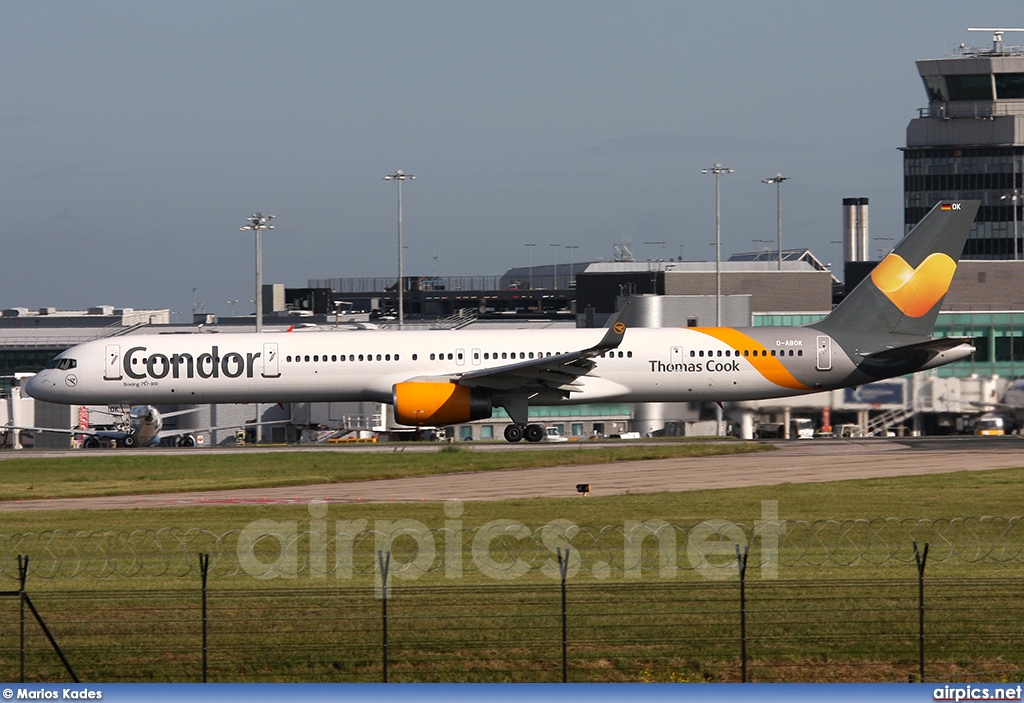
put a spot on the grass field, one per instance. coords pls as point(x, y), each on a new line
point(842, 606)
point(125, 473)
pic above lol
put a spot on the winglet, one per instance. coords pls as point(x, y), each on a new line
point(616, 330)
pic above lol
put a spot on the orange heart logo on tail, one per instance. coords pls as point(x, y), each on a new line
point(914, 291)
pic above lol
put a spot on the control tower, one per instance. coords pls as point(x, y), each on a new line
point(969, 143)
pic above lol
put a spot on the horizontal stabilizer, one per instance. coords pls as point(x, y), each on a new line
point(933, 346)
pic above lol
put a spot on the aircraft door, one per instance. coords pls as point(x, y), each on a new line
point(824, 353)
point(475, 355)
point(271, 362)
point(460, 357)
point(676, 355)
point(112, 363)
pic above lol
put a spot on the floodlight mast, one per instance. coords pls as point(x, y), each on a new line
point(718, 170)
point(258, 223)
point(400, 176)
point(777, 180)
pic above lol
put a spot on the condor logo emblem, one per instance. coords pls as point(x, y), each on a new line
point(619, 328)
point(914, 291)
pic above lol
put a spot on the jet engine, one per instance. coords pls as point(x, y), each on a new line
point(439, 403)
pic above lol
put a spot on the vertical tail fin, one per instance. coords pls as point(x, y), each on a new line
point(903, 294)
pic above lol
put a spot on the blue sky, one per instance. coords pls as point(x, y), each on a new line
point(136, 137)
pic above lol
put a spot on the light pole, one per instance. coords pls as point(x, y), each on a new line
point(400, 176)
point(718, 170)
point(1013, 197)
point(530, 248)
point(777, 180)
point(258, 223)
point(554, 278)
point(570, 283)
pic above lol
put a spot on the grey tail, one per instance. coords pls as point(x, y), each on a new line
point(903, 294)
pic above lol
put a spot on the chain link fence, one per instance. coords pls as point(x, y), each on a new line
point(808, 630)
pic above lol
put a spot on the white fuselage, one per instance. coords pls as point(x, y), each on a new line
point(668, 364)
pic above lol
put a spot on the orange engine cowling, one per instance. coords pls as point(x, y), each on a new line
point(431, 403)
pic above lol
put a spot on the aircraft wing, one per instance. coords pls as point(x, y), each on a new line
point(237, 426)
point(60, 430)
point(557, 372)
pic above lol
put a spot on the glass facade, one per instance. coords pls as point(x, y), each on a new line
point(966, 173)
point(539, 412)
point(1010, 86)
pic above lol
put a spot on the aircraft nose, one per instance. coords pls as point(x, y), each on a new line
point(42, 386)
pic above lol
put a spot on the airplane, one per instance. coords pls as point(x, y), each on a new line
point(138, 426)
point(881, 330)
point(141, 426)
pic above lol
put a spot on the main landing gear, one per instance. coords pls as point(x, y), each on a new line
point(531, 433)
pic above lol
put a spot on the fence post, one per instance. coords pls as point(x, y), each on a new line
point(384, 559)
point(204, 571)
point(25, 600)
point(921, 559)
point(741, 562)
point(22, 577)
point(563, 568)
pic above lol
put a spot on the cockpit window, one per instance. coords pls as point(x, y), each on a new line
point(65, 364)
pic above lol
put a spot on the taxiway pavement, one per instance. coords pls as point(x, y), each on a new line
point(792, 462)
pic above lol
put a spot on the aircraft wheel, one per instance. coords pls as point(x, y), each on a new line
point(513, 433)
point(187, 441)
point(130, 440)
point(534, 433)
point(91, 443)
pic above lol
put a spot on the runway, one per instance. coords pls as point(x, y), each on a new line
point(793, 462)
